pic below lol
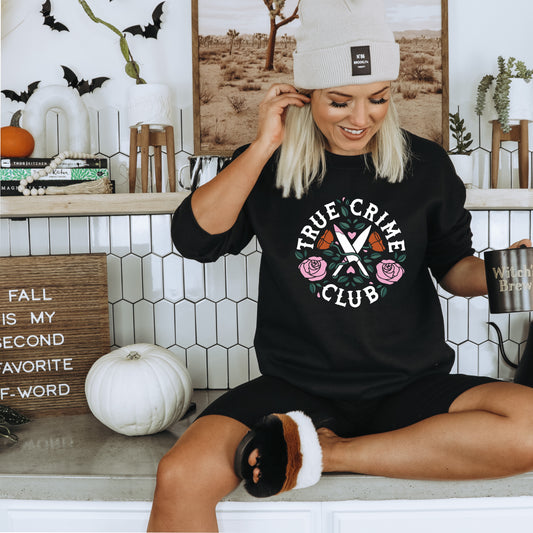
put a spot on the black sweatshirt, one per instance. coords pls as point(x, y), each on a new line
point(347, 308)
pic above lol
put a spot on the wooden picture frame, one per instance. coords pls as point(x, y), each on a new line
point(230, 75)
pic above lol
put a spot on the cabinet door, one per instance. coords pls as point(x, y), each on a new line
point(483, 515)
point(58, 516)
point(269, 517)
point(233, 517)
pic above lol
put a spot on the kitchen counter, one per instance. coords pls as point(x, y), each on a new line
point(77, 458)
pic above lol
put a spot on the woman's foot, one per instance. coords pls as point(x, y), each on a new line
point(329, 443)
point(253, 461)
point(280, 452)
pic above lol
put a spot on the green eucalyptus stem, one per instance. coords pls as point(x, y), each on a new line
point(507, 70)
point(132, 67)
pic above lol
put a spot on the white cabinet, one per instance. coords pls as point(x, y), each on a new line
point(58, 516)
point(269, 517)
point(465, 515)
point(233, 517)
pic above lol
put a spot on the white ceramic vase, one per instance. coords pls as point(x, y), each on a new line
point(150, 103)
point(464, 167)
point(520, 102)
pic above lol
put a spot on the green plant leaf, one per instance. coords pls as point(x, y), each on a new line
point(132, 69)
point(124, 48)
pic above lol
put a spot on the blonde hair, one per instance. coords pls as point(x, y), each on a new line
point(302, 158)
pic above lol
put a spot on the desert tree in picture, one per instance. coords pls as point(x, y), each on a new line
point(242, 47)
point(232, 34)
point(275, 11)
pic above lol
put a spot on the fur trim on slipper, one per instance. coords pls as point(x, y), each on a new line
point(289, 455)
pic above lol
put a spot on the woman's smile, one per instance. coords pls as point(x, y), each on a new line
point(353, 133)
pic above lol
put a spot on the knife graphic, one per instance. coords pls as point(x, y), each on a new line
point(352, 249)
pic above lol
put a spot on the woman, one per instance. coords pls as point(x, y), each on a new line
point(352, 214)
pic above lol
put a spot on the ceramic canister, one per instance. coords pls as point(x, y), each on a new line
point(510, 279)
point(150, 103)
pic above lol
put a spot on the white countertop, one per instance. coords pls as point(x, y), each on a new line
point(77, 458)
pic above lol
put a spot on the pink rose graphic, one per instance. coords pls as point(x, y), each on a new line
point(313, 269)
point(389, 271)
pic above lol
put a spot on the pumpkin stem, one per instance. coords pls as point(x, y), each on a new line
point(133, 355)
point(15, 119)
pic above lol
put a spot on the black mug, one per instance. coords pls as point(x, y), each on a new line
point(509, 276)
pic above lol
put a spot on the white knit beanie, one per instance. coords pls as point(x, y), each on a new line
point(343, 42)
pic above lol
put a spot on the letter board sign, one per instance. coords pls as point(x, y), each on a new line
point(54, 323)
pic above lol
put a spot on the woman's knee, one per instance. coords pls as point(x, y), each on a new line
point(522, 441)
point(201, 462)
point(513, 404)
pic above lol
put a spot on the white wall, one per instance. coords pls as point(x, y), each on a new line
point(479, 32)
point(32, 51)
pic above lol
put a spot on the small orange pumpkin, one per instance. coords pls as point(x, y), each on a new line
point(16, 141)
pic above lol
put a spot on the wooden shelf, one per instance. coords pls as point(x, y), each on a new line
point(503, 199)
point(162, 203)
point(91, 204)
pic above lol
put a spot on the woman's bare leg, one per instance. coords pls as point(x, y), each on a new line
point(487, 433)
point(195, 475)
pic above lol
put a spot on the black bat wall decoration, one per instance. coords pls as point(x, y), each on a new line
point(82, 86)
point(49, 20)
point(151, 30)
point(24, 95)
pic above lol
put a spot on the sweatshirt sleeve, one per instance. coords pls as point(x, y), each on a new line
point(450, 236)
point(193, 242)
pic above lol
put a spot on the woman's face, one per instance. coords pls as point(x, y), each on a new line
point(350, 116)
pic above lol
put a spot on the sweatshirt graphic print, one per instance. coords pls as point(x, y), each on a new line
point(350, 252)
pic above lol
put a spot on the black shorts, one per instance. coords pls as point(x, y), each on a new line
point(425, 397)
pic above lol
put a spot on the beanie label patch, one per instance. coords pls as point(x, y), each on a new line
point(361, 65)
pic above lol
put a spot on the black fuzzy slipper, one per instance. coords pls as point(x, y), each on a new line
point(289, 454)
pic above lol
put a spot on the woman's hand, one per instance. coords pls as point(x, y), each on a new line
point(272, 111)
point(522, 242)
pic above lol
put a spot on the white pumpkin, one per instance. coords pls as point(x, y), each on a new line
point(139, 389)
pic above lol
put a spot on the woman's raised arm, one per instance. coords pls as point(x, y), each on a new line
point(217, 204)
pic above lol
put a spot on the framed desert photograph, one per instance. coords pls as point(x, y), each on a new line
point(242, 47)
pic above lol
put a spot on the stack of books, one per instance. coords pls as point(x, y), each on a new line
point(69, 172)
